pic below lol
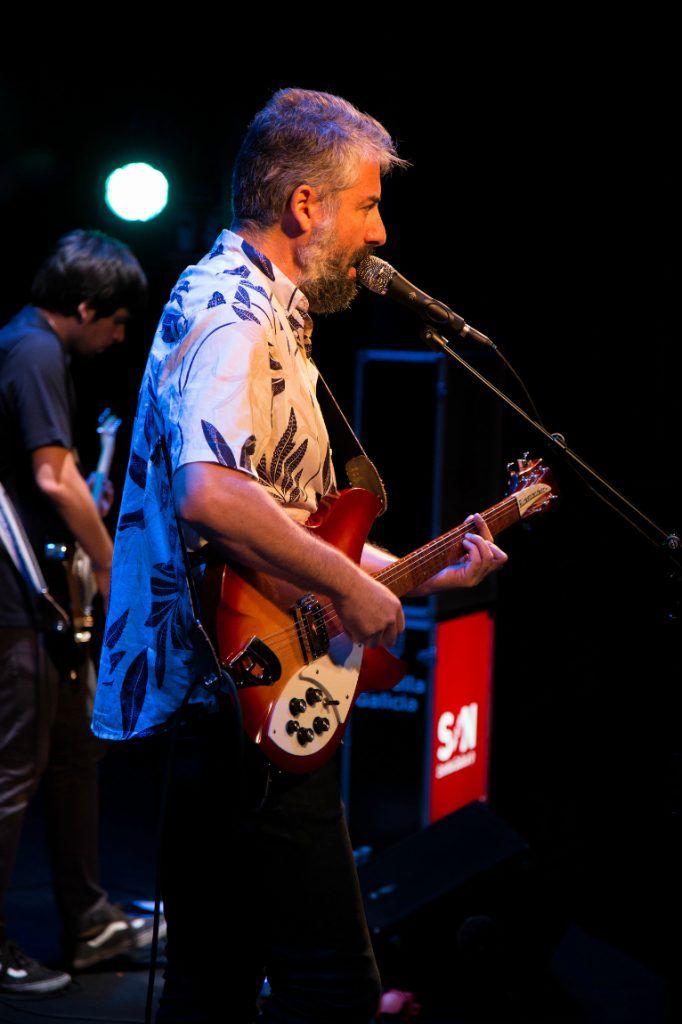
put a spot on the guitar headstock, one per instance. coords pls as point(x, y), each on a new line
point(531, 483)
point(108, 423)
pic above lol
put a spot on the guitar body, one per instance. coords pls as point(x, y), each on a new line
point(242, 604)
point(297, 673)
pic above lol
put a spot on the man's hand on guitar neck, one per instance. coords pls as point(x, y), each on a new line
point(483, 557)
point(236, 514)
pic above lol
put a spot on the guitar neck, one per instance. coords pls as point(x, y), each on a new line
point(106, 456)
point(410, 572)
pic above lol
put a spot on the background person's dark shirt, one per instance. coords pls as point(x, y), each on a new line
point(36, 409)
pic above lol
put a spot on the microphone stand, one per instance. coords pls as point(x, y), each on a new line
point(656, 535)
point(667, 544)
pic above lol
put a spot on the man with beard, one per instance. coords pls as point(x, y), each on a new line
point(228, 411)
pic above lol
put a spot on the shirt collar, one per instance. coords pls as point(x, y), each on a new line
point(286, 292)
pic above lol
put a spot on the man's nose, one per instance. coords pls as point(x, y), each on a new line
point(376, 232)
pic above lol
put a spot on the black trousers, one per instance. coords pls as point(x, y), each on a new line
point(257, 886)
point(45, 733)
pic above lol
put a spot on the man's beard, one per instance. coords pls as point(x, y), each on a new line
point(325, 281)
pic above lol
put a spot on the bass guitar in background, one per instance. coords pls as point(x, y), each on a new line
point(80, 579)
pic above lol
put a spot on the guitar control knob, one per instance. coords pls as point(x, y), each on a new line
point(297, 705)
point(305, 736)
point(313, 695)
point(321, 725)
point(292, 727)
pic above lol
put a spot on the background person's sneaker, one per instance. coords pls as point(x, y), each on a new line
point(20, 974)
point(120, 934)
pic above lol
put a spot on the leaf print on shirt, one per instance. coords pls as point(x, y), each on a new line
point(242, 298)
point(132, 520)
point(291, 464)
point(284, 446)
point(296, 494)
point(245, 314)
point(239, 271)
point(137, 470)
point(256, 288)
point(133, 692)
point(278, 384)
point(285, 459)
point(217, 299)
point(169, 615)
point(248, 450)
point(218, 445)
point(217, 250)
point(116, 658)
point(113, 634)
point(259, 260)
point(173, 326)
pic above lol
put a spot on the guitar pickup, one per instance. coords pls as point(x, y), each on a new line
point(311, 627)
point(255, 665)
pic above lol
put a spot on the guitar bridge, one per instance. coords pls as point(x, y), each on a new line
point(311, 628)
point(255, 665)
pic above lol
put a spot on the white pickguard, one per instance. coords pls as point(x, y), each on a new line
point(336, 675)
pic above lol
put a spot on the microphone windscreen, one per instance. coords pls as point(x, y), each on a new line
point(375, 274)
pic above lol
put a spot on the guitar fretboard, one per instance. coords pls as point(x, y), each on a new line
point(410, 572)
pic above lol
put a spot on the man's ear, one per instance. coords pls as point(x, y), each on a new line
point(85, 314)
point(304, 209)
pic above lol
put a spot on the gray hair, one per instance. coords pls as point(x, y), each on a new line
point(303, 136)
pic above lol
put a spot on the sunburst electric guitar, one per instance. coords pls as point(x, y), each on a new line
point(297, 672)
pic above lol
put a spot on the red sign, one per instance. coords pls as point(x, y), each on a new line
point(462, 707)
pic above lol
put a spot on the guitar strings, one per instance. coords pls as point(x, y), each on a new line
point(392, 574)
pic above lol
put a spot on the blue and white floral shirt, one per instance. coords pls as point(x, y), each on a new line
point(228, 380)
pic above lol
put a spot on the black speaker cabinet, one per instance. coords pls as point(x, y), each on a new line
point(448, 909)
point(421, 872)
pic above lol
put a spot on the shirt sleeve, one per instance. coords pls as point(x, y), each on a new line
point(38, 383)
point(220, 408)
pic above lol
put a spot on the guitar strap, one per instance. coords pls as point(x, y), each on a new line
point(360, 470)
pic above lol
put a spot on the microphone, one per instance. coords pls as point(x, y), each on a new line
point(380, 277)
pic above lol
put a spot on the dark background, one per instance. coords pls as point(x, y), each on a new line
point(542, 206)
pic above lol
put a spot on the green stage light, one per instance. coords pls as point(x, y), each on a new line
point(136, 192)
